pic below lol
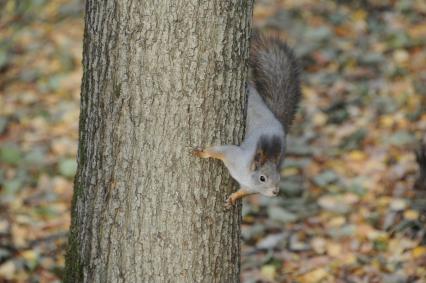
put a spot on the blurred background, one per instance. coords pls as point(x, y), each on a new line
point(347, 211)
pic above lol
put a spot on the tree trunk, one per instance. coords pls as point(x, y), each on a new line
point(160, 77)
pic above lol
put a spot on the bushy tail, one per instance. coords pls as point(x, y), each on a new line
point(275, 74)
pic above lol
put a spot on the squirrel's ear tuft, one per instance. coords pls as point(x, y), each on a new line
point(259, 160)
point(269, 148)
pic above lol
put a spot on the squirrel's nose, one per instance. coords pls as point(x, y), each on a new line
point(275, 191)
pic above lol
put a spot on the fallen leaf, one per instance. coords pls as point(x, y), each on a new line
point(268, 272)
point(7, 269)
point(314, 276)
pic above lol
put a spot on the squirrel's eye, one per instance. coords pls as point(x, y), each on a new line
point(262, 178)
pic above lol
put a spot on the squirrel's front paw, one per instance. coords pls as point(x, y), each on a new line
point(230, 202)
point(199, 152)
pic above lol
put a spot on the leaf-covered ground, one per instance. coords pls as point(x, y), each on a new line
point(347, 211)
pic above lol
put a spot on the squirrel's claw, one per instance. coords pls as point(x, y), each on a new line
point(229, 202)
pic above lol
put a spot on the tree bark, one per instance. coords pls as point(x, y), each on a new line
point(160, 77)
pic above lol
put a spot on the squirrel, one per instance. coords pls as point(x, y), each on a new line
point(273, 98)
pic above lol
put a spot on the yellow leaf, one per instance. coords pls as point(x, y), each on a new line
point(383, 201)
point(418, 31)
point(29, 255)
point(290, 171)
point(319, 119)
point(31, 258)
point(309, 92)
point(314, 276)
point(334, 249)
point(19, 235)
point(268, 272)
point(336, 221)
point(359, 15)
point(387, 121)
point(349, 259)
point(419, 251)
point(357, 155)
point(411, 214)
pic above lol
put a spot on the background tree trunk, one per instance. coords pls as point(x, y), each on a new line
point(160, 77)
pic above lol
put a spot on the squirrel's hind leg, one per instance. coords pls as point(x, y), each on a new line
point(211, 152)
point(225, 153)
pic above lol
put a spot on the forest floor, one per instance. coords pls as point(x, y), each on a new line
point(347, 211)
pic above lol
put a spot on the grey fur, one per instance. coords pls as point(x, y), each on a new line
point(273, 97)
point(276, 77)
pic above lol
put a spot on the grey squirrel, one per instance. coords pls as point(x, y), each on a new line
point(273, 98)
